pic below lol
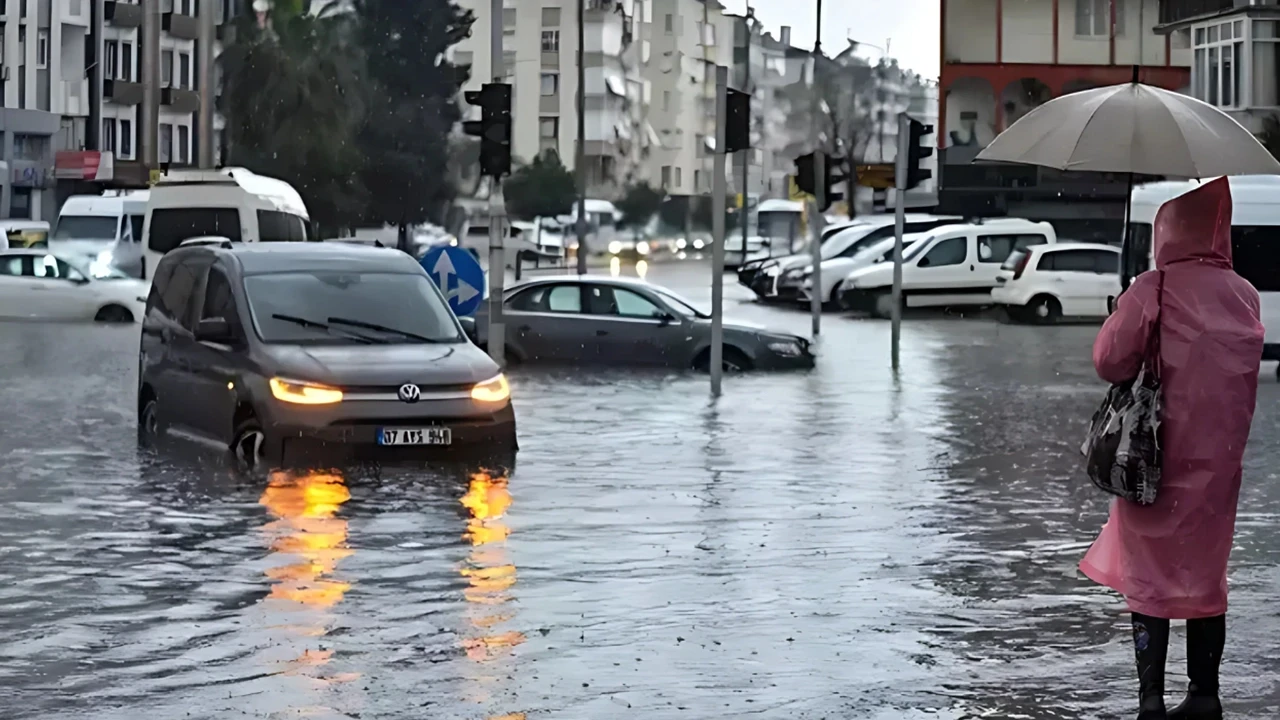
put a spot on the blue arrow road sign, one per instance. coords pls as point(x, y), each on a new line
point(458, 275)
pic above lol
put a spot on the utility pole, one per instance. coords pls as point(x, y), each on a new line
point(901, 180)
point(497, 249)
point(745, 214)
point(717, 232)
point(149, 111)
point(819, 190)
point(580, 154)
point(207, 13)
point(93, 71)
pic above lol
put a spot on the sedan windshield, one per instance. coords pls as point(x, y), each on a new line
point(841, 241)
point(680, 304)
point(301, 307)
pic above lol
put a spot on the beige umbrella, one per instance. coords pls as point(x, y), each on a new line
point(1132, 128)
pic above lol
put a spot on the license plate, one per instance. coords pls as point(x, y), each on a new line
point(415, 436)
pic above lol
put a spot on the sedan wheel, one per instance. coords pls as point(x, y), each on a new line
point(249, 448)
point(149, 424)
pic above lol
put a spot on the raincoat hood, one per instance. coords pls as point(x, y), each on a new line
point(1196, 227)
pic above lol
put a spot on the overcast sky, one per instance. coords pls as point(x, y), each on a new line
point(910, 26)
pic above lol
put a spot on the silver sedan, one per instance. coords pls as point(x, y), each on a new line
point(595, 320)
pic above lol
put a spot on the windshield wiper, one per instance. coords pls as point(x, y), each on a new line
point(385, 329)
point(304, 322)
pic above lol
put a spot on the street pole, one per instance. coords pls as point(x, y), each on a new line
point(580, 162)
point(207, 11)
point(819, 178)
point(717, 234)
point(899, 220)
point(149, 59)
point(497, 251)
point(745, 214)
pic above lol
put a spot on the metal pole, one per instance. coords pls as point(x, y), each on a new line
point(819, 178)
point(207, 12)
point(497, 252)
point(580, 162)
point(745, 214)
point(93, 65)
point(149, 111)
point(899, 219)
point(717, 235)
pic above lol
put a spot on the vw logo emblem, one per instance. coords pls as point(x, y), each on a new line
point(410, 393)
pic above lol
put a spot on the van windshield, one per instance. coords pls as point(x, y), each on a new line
point(407, 302)
point(86, 227)
point(170, 226)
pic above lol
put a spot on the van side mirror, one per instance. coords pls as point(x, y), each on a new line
point(214, 330)
point(469, 328)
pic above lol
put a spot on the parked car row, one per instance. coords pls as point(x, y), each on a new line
point(1015, 263)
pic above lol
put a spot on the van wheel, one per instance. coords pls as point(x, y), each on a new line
point(114, 314)
point(249, 444)
point(1044, 309)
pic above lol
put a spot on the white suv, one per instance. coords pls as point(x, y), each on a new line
point(1046, 282)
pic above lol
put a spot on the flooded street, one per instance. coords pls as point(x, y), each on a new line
point(840, 544)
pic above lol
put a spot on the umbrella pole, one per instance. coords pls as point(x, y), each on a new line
point(1125, 244)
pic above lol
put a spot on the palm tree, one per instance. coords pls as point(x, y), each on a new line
point(292, 104)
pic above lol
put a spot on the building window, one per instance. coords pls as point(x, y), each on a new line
point(550, 84)
point(126, 139)
point(29, 147)
point(666, 177)
point(551, 41)
point(549, 128)
point(110, 62)
point(666, 101)
point(166, 68)
point(669, 24)
point(1218, 66)
point(126, 62)
point(109, 134)
point(1265, 68)
point(551, 17)
point(166, 143)
point(697, 181)
point(42, 49)
point(508, 67)
point(1093, 18)
point(184, 70)
point(679, 180)
point(184, 144)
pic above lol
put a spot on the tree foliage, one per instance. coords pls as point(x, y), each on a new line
point(542, 188)
point(639, 204)
point(353, 105)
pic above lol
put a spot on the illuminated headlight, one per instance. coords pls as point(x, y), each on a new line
point(304, 393)
point(697, 243)
point(681, 243)
point(786, 348)
point(493, 390)
point(642, 247)
point(615, 247)
point(453, 242)
point(106, 257)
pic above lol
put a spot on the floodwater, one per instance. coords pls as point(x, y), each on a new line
point(835, 544)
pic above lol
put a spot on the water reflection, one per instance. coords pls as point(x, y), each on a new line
point(308, 540)
point(490, 578)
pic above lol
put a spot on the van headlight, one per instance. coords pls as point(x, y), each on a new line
point(615, 247)
point(642, 247)
point(304, 393)
point(697, 243)
point(681, 243)
point(493, 390)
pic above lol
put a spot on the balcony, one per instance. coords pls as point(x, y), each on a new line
point(178, 100)
point(122, 92)
point(1174, 12)
point(181, 26)
point(122, 14)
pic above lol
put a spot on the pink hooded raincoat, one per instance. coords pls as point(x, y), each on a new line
point(1169, 559)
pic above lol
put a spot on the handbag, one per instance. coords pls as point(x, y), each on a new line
point(1122, 451)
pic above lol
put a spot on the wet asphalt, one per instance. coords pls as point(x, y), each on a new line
point(836, 544)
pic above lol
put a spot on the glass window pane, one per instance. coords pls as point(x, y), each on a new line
point(1237, 70)
point(565, 298)
point(1266, 57)
point(1214, 67)
point(1213, 34)
point(951, 251)
point(1198, 72)
point(630, 304)
point(1263, 29)
point(1199, 36)
point(1228, 84)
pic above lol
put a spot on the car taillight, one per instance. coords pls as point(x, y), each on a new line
point(1022, 265)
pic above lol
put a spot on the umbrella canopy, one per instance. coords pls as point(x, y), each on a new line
point(1132, 128)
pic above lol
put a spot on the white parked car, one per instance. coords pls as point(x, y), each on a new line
point(955, 265)
point(869, 255)
point(54, 286)
point(1046, 282)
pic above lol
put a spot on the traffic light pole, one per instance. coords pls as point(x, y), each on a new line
point(497, 251)
point(901, 180)
point(815, 239)
point(717, 232)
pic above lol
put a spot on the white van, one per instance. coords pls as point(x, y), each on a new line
point(1255, 239)
point(91, 225)
point(233, 203)
point(955, 265)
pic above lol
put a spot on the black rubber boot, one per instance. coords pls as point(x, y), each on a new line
point(1151, 646)
point(1205, 640)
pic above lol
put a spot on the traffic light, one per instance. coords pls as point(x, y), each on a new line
point(835, 176)
point(831, 178)
point(493, 128)
point(917, 152)
point(804, 174)
point(737, 130)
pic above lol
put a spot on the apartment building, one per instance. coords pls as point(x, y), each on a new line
point(540, 44)
point(1002, 58)
point(1235, 46)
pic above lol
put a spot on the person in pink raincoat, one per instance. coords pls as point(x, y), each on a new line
point(1169, 559)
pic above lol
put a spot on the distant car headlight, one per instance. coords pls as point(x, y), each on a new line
point(615, 247)
point(453, 242)
point(642, 247)
point(494, 390)
point(304, 393)
point(681, 243)
point(697, 243)
point(788, 348)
